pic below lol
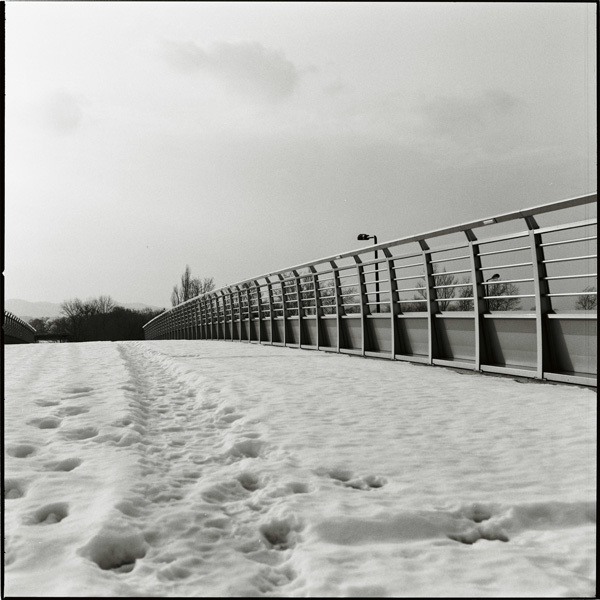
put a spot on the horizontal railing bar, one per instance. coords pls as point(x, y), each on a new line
point(408, 277)
point(577, 225)
point(572, 294)
point(404, 256)
point(451, 272)
point(453, 285)
point(582, 276)
point(419, 264)
point(444, 260)
point(583, 239)
point(503, 251)
point(447, 248)
point(507, 296)
point(501, 281)
point(569, 258)
point(502, 238)
point(524, 264)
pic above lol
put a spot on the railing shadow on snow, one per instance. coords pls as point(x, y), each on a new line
point(513, 294)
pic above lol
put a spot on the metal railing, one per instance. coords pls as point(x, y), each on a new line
point(509, 294)
point(17, 331)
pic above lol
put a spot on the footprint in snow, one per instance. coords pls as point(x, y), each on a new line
point(71, 411)
point(21, 450)
point(347, 479)
point(45, 423)
point(82, 433)
point(83, 390)
point(46, 403)
point(480, 514)
point(66, 465)
point(13, 489)
point(50, 514)
point(115, 548)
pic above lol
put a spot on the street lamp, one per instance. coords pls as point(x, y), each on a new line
point(363, 237)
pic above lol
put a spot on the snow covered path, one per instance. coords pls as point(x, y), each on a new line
point(197, 468)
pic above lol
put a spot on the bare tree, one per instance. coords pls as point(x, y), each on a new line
point(41, 324)
point(443, 294)
point(587, 301)
point(505, 291)
point(191, 287)
point(103, 304)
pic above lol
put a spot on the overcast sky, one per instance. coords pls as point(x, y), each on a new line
point(245, 138)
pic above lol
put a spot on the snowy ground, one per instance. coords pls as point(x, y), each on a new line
point(196, 468)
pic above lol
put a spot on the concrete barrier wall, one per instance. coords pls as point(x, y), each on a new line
point(16, 331)
point(513, 294)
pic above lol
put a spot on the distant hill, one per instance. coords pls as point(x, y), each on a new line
point(36, 310)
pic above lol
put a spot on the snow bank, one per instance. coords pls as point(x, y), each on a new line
point(197, 468)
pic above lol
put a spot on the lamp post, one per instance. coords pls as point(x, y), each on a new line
point(366, 236)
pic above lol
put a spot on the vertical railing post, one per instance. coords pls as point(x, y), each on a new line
point(271, 318)
point(258, 309)
point(338, 303)
point(202, 307)
point(542, 301)
point(215, 315)
point(299, 306)
point(284, 310)
point(230, 310)
point(198, 319)
point(362, 290)
point(186, 323)
point(207, 316)
point(238, 295)
point(190, 320)
point(394, 306)
point(479, 302)
point(432, 306)
point(249, 309)
point(318, 309)
point(220, 315)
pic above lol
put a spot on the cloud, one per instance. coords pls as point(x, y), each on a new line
point(248, 67)
point(460, 117)
point(64, 112)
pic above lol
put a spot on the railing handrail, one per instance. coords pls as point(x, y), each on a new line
point(482, 222)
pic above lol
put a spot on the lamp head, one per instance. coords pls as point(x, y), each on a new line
point(364, 236)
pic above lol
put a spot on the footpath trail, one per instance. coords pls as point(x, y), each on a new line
point(215, 469)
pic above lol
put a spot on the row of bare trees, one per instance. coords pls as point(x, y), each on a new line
point(96, 319)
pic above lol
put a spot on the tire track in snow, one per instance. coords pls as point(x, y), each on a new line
point(201, 506)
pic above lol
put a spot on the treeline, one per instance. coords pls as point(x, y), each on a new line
point(96, 319)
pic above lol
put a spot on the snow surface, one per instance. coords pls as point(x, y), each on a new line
point(198, 468)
